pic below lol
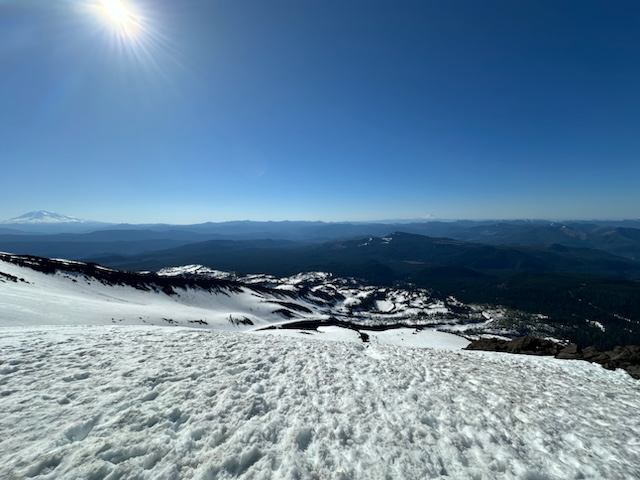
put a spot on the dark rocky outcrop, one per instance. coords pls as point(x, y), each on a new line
point(626, 357)
point(570, 352)
point(488, 344)
point(524, 345)
point(533, 346)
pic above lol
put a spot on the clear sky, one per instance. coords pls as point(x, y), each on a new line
point(211, 110)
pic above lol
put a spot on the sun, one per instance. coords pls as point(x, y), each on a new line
point(120, 16)
point(130, 31)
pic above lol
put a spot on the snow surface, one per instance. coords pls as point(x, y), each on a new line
point(43, 217)
point(67, 298)
point(83, 398)
point(401, 337)
point(123, 402)
point(196, 270)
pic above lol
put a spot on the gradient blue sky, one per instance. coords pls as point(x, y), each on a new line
point(322, 110)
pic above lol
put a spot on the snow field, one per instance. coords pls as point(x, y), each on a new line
point(121, 402)
point(64, 299)
point(401, 337)
point(29, 297)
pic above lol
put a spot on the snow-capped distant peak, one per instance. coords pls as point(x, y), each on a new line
point(195, 270)
point(43, 216)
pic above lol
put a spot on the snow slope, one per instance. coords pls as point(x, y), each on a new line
point(123, 402)
point(90, 389)
point(36, 291)
point(30, 297)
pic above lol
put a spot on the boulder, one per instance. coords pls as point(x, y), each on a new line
point(488, 344)
point(634, 371)
point(627, 355)
point(592, 354)
point(533, 346)
point(570, 352)
point(523, 345)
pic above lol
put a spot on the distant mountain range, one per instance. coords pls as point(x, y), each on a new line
point(567, 272)
point(43, 221)
point(618, 237)
point(397, 256)
point(51, 234)
point(400, 280)
point(43, 216)
point(566, 285)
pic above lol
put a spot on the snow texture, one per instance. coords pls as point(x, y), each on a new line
point(42, 217)
point(100, 393)
point(130, 402)
point(65, 298)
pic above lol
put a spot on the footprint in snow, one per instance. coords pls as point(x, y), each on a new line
point(77, 376)
point(80, 431)
point(44, 466)
point(152, 395)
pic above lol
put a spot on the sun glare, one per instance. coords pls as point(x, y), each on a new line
point(131, 31)
point(120, 16)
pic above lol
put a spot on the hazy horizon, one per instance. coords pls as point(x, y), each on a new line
point(355, 221)
point(200, 110)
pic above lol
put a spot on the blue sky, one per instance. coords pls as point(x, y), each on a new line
point(321, 110)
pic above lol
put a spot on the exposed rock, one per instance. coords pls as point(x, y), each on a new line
point(634, 371)
point(533, 346)
point(591, 354)
point(626, 357)
point(524, 345)
point(488, 344)
point(628, 354)
point(570, 352)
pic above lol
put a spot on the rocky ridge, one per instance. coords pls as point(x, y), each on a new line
point(625, 357)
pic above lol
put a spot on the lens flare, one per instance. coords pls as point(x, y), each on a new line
point(120, 16)
point(132, 35)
